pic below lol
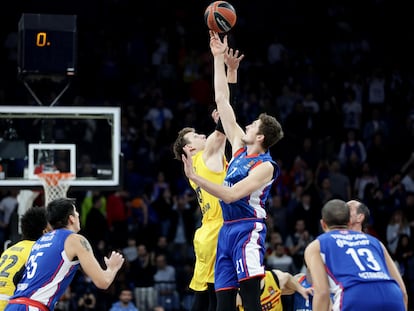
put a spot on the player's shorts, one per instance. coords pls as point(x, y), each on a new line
point(240, 252)
point(205, 248)
point(371, 296)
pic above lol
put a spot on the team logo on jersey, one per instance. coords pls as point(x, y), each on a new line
point(249, 165)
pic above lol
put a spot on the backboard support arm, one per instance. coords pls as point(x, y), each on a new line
point(39, 102)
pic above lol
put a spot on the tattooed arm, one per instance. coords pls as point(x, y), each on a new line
point(77, 246)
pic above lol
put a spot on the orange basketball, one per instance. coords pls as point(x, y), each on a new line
point(220, 16)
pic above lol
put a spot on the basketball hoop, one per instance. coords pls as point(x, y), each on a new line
point(56, 185)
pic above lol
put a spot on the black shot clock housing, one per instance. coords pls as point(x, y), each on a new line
point(47, 46)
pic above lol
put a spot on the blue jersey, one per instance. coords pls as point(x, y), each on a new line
point(252, 206)
point(356, 266)
point(300, 303)
point(48, 272)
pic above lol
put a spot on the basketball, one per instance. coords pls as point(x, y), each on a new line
point(220, 16)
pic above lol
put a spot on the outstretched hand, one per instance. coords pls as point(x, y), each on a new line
point(115, 261)
point(232, 59)
point(217, 46)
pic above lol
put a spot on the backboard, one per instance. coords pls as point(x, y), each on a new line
point(84, 141)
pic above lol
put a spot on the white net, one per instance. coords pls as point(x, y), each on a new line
point(55, 185)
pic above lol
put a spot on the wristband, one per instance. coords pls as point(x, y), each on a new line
point(219, 126)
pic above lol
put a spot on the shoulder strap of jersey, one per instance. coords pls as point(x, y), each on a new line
point(275, 277)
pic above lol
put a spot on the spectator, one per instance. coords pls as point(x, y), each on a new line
point(308, 213)
point(408, 178)
point(340, 183)
point(404, 256)
point(96, 226)
point(279, 214)
point(7, 206)
point(351, 147)
point(397, 226)
point(165, 284)
point(366, 177)
point(297, 241)
point(158, 113)
point(328, 127)
point(182, 229)
point(117, 218)
point(378, 155)
point(125, 301)
point(142, 275)
point(374, 126)
point(352, 112)
point(280, 260)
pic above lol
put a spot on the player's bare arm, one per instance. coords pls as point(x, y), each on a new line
point(85, 244)
point(395, 273)
point(77, 246)
point(215, 148)
point(289, 284)
point(258, 176)
point(233, 131)
point(321, 293)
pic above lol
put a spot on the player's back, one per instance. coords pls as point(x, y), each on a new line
point(48, 271)
point(356, 264)
point(12, 261)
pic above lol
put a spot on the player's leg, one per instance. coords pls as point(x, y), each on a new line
point(212, 298)
point(226, 300)
point(250, 294)
point(200, 301)
point(249, 255)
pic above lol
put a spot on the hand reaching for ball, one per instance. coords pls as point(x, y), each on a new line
point(217, 46)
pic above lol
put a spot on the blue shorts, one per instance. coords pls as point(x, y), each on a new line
point(240, 252)
point(372, 296)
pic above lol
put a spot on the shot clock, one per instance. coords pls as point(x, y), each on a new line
point(47, 45)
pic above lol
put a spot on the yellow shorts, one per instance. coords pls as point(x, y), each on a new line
point(3, 304)
point(205, 247)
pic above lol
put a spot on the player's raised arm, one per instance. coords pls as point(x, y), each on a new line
point(215, 145)
point(233, 131)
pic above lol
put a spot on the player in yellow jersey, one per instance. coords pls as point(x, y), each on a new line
point(209, 161)
point(33, 224)
point(275, 284)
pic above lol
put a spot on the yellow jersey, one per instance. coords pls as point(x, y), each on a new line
point(205, 237)
point(12, 260)
point(271, 296)
point(209, 204)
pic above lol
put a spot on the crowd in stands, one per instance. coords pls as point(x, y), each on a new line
point(344, 94)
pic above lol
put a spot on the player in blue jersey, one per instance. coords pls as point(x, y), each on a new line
point(348, 264)
point(299, 302)
point(250, 174)
point(55, 258)
point(209, 160)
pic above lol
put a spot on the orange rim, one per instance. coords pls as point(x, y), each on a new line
point(52, 179)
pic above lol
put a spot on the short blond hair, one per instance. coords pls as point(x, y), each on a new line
point(180, 142)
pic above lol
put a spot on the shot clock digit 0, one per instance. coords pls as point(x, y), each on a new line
point(47, 45)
